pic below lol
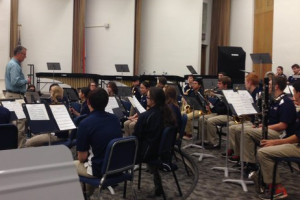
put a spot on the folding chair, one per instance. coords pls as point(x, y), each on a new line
point(118, 164)
point(277, 160)
point(165, 152)
point(178, 142)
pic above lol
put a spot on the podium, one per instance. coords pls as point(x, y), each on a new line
point(39, 173)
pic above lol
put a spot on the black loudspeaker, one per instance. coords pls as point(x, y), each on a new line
point(231, 60)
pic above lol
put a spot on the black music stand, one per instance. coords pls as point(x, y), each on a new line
point(71, 94)
point(235, 111)
point(191, 69)
point(53, 66)
point(122, 68)
point(202, 155)
point(32, 97)
point(261, 58)
point(195, 105)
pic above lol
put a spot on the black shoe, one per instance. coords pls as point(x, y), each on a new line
point(154, 193)
point(237, 165)
point(204, 143)
point(211, 146)
point(229, 152)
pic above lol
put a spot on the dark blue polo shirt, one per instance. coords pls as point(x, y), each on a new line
point(84, 108)
point(283, 110)
point(297, 126)
point(144, 101)
point(93, 135)
point(4, 115)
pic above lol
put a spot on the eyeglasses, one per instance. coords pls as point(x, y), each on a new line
point(24, 54)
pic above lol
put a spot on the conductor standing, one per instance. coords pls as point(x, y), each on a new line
point(15, 84)
point(15, 81)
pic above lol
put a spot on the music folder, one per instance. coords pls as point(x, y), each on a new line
point(136, 105)
point(15, 108)
point(44, 118)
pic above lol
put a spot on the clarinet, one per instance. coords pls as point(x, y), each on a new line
point(70, 105)
point(265, 108)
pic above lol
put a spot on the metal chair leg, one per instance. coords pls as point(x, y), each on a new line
point(185, 166)
point(140, 173)
point(274, 179)
point(176, 180)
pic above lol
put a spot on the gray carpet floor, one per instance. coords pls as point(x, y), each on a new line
point(204, 183)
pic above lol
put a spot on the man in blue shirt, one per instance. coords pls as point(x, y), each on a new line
point(93, 135)
point(15, 81)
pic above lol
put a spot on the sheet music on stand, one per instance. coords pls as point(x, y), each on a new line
point(289, 89)
point(62, 117)
point(47, 118)
point(112, 103)
point(136, 104)
point(15, 106)
point(241, 101)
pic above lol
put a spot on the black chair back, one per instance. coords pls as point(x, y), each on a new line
point(167, 142)
point(9, 136)
point(120, 155)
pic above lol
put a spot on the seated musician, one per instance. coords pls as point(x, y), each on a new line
point(130, 123)
point(171, 101)
point(281, 121)
point(189, 86)
point(56, 94)
point(252, 85)
point(93, 135)
point(92, 85)
point(287, 147)
point(135, 87)
point(112, 89)
point(197, 84)
point(296, 70)
point(30, 88)
point(4, 115)
point(149, 128)
point(279, 71)
point(83, 93)
point(161, 82)
point(218, 116)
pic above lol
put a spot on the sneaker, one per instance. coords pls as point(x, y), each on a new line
point(187, 137)
point(280, 193)
point(229, 152)
point(234, 159)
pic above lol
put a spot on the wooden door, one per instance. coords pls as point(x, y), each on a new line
point(263, 32)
